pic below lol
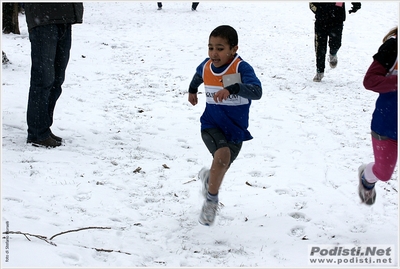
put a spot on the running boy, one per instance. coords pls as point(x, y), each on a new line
point(230, 84)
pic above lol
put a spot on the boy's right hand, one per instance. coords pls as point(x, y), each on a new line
point(192, 98)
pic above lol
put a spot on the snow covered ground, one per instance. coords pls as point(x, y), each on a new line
point(127, 173)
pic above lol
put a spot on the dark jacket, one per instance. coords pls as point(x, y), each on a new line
point(38, 14)
point(330, 12)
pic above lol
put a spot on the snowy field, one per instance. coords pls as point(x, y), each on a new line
point(123, 190)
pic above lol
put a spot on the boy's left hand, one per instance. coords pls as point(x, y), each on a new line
point(221, 95)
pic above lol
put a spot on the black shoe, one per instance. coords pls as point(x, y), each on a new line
point(56, 138)
point(48, 142)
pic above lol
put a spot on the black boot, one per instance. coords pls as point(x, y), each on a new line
point(48, 143)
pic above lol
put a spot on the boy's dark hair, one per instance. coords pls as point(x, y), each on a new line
point(227, 32)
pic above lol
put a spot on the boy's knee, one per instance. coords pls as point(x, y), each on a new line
point(222, 157)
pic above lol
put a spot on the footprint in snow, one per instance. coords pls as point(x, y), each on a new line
point(299, 216)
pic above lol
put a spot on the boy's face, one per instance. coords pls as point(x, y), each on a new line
point(220, 51)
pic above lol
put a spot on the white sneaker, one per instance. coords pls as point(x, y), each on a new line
point(318, 77)
point(333, 60)
point(208, 213)
point(203, 175)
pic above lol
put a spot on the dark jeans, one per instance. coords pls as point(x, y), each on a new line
point(322, 33)
point(50, 49)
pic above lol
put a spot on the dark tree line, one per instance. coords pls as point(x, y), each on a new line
point(10, 18)
point(10, 22)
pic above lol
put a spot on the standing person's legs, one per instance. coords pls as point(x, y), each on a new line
point(60, 65)
point(320, 43)
point(43, 53)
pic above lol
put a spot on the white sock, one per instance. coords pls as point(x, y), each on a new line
point(369, 175)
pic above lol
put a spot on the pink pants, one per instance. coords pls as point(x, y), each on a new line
point(385, 153)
